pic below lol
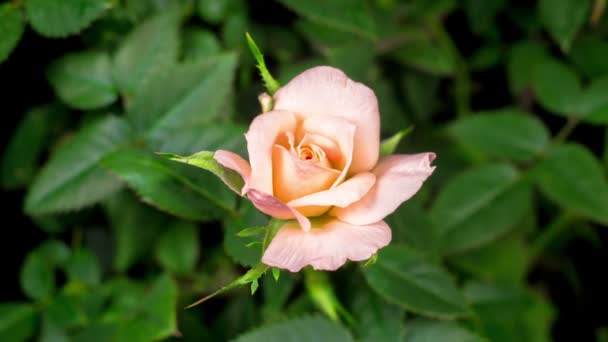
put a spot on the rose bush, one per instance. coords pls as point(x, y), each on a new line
point(315, 158)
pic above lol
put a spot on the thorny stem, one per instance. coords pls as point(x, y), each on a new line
point(462, 78)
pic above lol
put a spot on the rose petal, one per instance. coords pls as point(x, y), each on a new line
point(295, 178)
point(328, 147)
point(272, 206)
point(341, 196)
point(398, 178)
point(341, 131)
point(236, 163)
point(261, 137)
point(328, 91)
point(326, 246)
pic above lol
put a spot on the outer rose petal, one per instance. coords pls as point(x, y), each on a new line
point(328, 91)
point(398, 177)
point(261, 137)
point(326, 246)
point(236, 163)
point(272, 206)
point(341, 196)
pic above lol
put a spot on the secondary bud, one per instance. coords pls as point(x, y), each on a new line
point(265, 102)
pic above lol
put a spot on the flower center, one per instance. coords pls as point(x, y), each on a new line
point(306, 153)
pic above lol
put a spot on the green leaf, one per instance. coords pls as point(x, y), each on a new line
point(209, 136)
point(154, 317)
point(11, 29)
point(269, 82)
point(49, 332)
point(151, 47)
point(216, 11)
point(507, 134)
point(183, 99)
point(295, 330)
point(64, 312)
point(276, 293)
point(251, 231)
point(563, 19)
point(28, 142)
point(389, 145)
point(403, 277)
point(83, 266)
point(557, 87)
point(593, 106)
point(376, 319)
point(573, 177)
point(37, 276)
point(322, 294)
point(56, 252)
point(83, 80)
point(411, 225)
point(254, 286)
point(489, 193)
point(503, 261)
point(236, 246)
point(509, 313)
point(524, 58)
point(71, 178)
point(200, 44)
point(53, 19)
point(481, 13)
point(427, 56)
point(205, 160)
point(559, 90)
point(421, 330)
point(345, 15)
point(178, 248)
point(232, 31)
point(136, 227)
point(588, 54)
point(357, 68)
point(17, 321)
point(178, 189)
point(606, 148)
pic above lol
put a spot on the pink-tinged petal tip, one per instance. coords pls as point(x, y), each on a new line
point(272, 206)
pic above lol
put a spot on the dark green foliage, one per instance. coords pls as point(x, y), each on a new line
point(113, 161)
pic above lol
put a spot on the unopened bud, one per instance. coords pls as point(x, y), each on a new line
point(265, 102)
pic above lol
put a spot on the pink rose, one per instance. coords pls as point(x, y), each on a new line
point(314, 158)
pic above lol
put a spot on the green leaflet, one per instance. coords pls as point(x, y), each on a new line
point(179, 189)
point(59, 19)
point(403, 277)
point(71, 179)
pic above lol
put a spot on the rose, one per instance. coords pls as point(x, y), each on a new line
point(314, 158)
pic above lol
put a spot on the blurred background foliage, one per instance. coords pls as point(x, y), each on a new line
point(106, 241)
